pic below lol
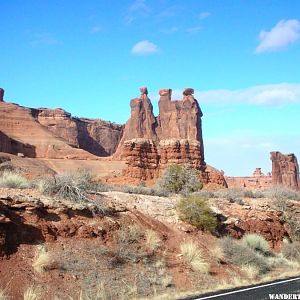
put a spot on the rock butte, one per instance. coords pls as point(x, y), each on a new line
point(151, 143)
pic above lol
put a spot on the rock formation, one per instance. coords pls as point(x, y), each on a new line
point(1, 95)
point(149, 144)
point(96, 136)
point(285, 170)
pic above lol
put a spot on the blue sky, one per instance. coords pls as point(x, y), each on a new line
point(90, 57)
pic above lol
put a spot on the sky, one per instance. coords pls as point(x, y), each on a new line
point(242, 57)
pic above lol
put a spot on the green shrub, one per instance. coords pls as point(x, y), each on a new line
point(257, 243)
point(195, 210)
point(241, 255)
point(291, 250)
point(13, 180)
point(180, 179)
point(68, 186)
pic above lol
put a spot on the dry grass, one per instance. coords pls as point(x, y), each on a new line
point(217, 253)
point(3, 295)
point(152, 240)
point(32, 293)
point(13, 180)
point(250, 271)
point(193, 256)
point(100, 293)
point(42, 260)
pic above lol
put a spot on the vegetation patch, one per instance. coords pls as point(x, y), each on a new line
point(68, 186)
point(180, 179)
point(195, 210)
point(42, 260)
point(257, 243)
point(193, 257)
point(9, 179)
point(241, 255)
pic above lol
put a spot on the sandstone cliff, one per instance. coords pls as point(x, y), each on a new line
point(285, 170)
point(26, 135)
point(96, 136)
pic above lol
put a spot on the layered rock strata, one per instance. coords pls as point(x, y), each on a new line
point(285, 170)
point(151, 143)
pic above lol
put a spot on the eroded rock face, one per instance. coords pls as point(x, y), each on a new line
point(1, 95)
point(96, 136)
point(150, 144)
point(285, 170)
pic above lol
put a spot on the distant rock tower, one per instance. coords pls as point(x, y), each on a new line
point(285, 170)
point(1, 95)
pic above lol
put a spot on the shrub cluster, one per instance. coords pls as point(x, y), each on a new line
point(180, 179)
point(195, 210)
point(68, 186)
point(13, 180)
point(240, 254)
point(257, 243)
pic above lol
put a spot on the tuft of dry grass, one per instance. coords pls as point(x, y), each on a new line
point(250, 271)
point(42, 260)
point(152, 240)
point(217, 253)
point(100, 293)
point(193, 256)
point(32, 293)
point(3, 295)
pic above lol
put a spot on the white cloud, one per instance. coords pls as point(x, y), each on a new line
point(272, 94)
point(137, 8)
point(284, 33)
point(170, 30)
point(144, 48)
point(204, 15)
point(46, 39)
point(195, 29)
point(96, 29)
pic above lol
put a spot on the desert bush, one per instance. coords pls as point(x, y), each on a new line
point(152, 240)
point(42, 260)
point(180, 179)
point(241, 255)
point(205, 194)
point(257, 243)
point(130, 234)
point(291, 251)
point(193, 256)
point(142, 190)
point(13, 180)
point(68, 186)
point(281, 192)
point(293, 221)
point(32, 293)
point(195, 210)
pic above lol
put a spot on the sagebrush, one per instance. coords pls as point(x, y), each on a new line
point(13, 180)
point(196, 211)
point(180, 179)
